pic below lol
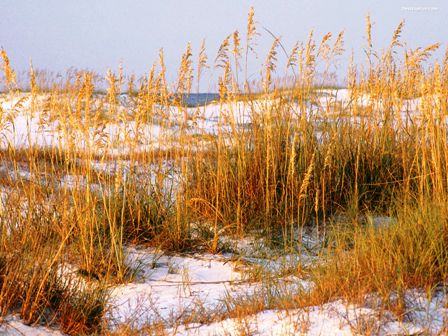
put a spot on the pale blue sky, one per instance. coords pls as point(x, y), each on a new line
point(98, 34)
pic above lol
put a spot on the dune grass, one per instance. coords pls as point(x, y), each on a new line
point(387, 258)
point(297, 162)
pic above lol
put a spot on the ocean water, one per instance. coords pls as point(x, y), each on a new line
point(189, 100)
point(199, 99)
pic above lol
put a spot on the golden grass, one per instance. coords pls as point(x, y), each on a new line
point(285, 170)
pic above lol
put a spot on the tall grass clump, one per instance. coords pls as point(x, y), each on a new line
point(300, 159)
